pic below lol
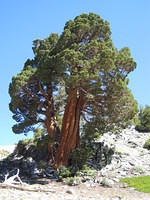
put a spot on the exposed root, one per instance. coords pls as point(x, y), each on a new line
point(10, 183)
point(11, 179)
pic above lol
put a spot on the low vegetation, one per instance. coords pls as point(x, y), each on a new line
point(36, 147)
point(147, 144)
point(70, 177)
point(141, 183)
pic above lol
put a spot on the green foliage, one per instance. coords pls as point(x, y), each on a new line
point(68, 176)
point(88, 171)
point(38, 134)
point(36, 147)
point(78, 158)
point(25, 148)
point(33, 87)
point(99, 71)
point(72, 181)
point(147, 144)
point(141, 183)
point(83, 57)
point(64, 172)
point(144, 120)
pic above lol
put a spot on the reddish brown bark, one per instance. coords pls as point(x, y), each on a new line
point(53, 132)
point(70, 138)
point(50, 122)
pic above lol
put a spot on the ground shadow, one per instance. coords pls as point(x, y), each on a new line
point(28, 171)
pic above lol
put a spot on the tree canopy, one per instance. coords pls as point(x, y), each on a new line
point(93, 73)
point(31, 90)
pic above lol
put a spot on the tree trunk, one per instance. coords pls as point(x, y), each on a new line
point(53, 137)
point(70, 138)
point(51, 124)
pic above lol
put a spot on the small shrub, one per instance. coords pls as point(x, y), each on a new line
point(25, 148)
point(78, 159)
point(88, 171)
point(76, 180)
point(147, 144)
point(64, 172)
point(68, 176)
point(139, 170)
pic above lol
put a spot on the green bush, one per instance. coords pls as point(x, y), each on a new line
point(76, 180)
point(78, 159)
point(147, 144)
point(144, 120)
point(64, 172)
point(68, 176)
point(79, 156)
point(87, 173)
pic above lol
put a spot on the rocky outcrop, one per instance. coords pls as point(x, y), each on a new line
point(130, 158)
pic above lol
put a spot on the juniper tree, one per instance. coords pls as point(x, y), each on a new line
point(94, 74)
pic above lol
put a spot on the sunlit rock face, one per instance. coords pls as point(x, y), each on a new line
point(130, 158)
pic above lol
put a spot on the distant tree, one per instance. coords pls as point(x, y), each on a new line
point(144, 120)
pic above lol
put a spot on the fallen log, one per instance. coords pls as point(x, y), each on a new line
point(24, 188)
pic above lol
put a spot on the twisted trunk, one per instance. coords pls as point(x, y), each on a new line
point(70, 138)
point(51, 123)
point(53, 136)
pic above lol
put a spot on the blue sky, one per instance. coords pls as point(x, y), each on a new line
point(23, 21)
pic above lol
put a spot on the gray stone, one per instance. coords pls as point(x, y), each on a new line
point(116, 198)
point(116, 180)
point(123, 173)
point(123, 185)
point(69, 192)
point(107, 182)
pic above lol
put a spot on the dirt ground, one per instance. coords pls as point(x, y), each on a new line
point(58, 191)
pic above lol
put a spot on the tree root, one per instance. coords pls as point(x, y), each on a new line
point(11, 184)
point(11, 179)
